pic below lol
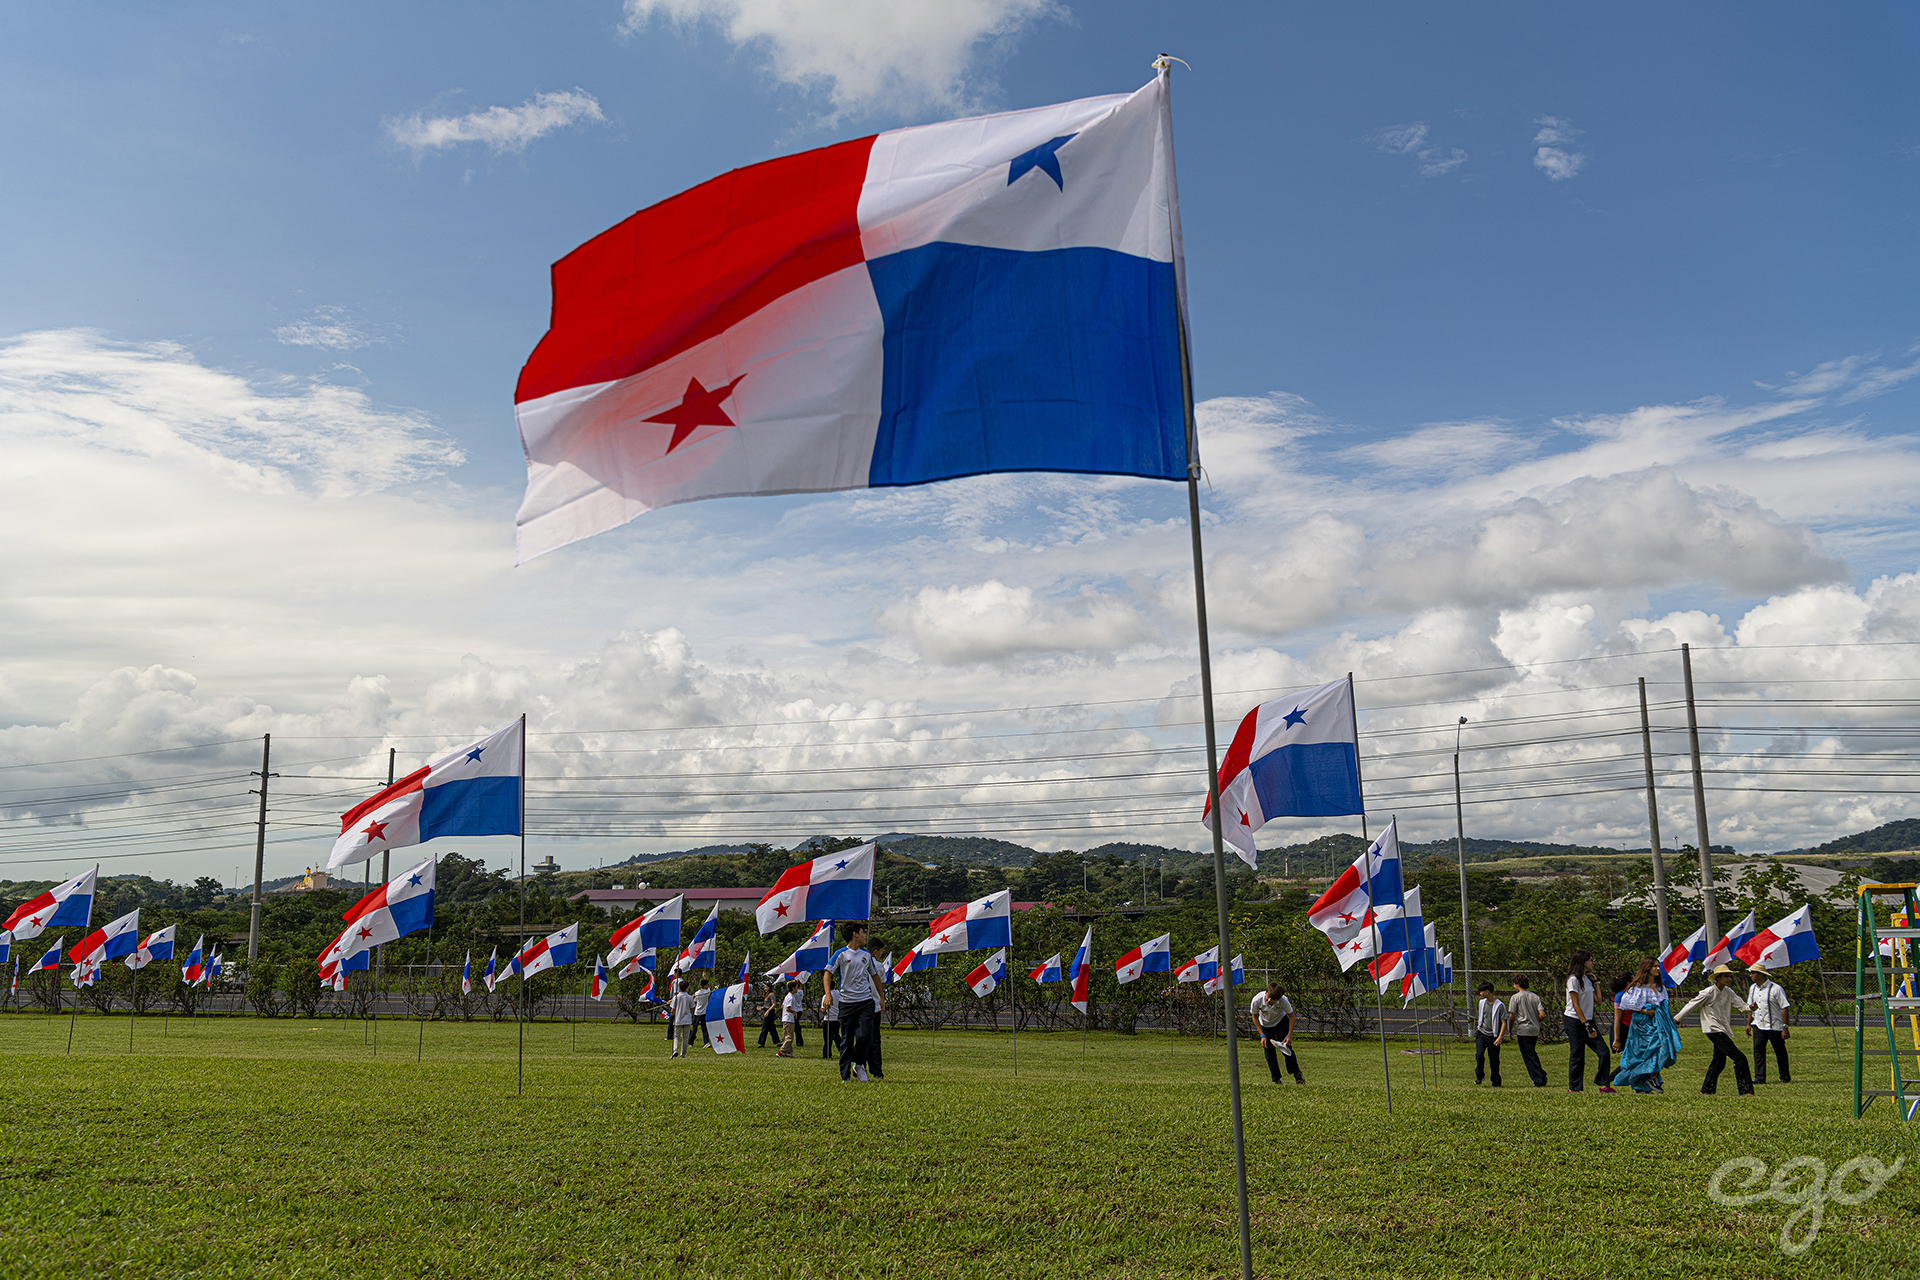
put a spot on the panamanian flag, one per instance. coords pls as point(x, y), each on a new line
point(834, 886)
point(63, 906)
point(1294, 757)
point(109, 942)
point(474, 791)
point(401, 906)
point(1683, 956)
point(984, 922)
point(725, 1017)
point(993, 294)
point(1784, 942)
point(1731, 943)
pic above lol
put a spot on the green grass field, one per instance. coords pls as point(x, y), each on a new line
point(292, 1148)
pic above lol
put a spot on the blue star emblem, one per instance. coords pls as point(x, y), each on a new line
point(840, 865)
point(1295, 717)
point(1042, 158)
point(475, 753)
point(414, 879)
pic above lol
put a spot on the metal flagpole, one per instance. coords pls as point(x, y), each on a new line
point(1653, 828)
point(1165, 66)
point(1460, 850)
point(1373, 927)
point(520, 992)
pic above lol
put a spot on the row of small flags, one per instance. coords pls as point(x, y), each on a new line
point(1784, 942)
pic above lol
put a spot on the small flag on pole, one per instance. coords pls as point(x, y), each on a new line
point(1152, 956)
point(68, 905)
point(988, 974)
point(1294, 757)
point(1082, 971)
point(1047, 970)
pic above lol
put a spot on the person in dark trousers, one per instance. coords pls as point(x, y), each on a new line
point(1767, 1019)
point(700, 998)
point(770, 1017)
point(1273, 1014)
point(1524, 1016)
point(853, 981)
point(829, 1026)
point(880, 985)
point(1583, 1032)
point(674, 987)
point(1716, 1019)
point(1489, 1030)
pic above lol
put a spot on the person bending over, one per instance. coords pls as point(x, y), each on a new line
point(1273, 1014)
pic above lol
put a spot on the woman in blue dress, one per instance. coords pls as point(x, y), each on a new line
point(1652, 1042)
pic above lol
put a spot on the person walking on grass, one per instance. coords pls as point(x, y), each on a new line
point(1524, 1015)
point(700, 999)
point(674, 986)
point(770, 1017)
point(853, 981)
point(1583, 1032)
point(1273, 1014)
point(680, 1021)
point(1489, 1029)
point(1651, 1043)
point(829, 1026)
point(790, 1018)
point(1716, 1019)
point(1767, 1020)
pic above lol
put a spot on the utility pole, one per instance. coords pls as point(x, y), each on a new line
point(1653, 825)
point(260, 846)
point(1460, 848)
point(1709, 900)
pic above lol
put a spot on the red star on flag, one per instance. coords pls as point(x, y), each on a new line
point(365, 932)
point(375, 831)
point(699, 407)
point(1245, 821)
point(781, 910)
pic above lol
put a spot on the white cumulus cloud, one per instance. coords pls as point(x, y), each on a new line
point(500, 128)
point(991, 620)
point(866, 53)
point(1553, 137)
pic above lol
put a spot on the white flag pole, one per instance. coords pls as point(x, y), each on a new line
point(1366, 864)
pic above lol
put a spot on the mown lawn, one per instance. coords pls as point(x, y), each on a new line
point(288, 1148)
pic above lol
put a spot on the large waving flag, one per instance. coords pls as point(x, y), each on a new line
point(726, 1019)
point(1680, 959)
point(810, 957)
point(1152, 956)
point(984, 922)
point(658, 928)
point(1784, 942)
point(196, 963)
point(109, 941)
point(838, 886)
point(157, 945)
point(988, 974)
point(995, 294)
point(1047, 970)
point(474, 791)
point(559, 948)
point(699, 951)
point(1372, 881)
point(398, 907)
point(1082, 971)
point(1730, 945)
point(1295, 757)
point(65, 906)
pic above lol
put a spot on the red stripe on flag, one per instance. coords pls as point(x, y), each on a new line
point(694, 265)
point(412, 782)
point(1239, 755)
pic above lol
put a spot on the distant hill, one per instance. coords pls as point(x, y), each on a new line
point(1893, 837)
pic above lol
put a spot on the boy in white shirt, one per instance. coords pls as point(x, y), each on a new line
point(1767, 1019)
point(790, 1018)
point(854, 980)
point(1716, 1019)
point(681, 1021)
point(1273, 1014)
point(1489, 1029)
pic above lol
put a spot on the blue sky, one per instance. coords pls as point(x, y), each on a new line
point(1501, 314)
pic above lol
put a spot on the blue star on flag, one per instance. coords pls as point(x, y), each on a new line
point(1294, 717)
point(414, 879)
point(1042, 158)
point(475, 753)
